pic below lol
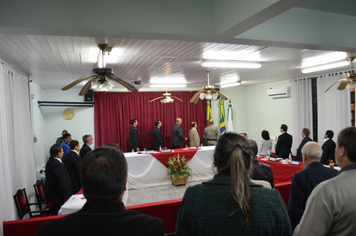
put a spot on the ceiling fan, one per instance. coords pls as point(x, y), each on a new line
point(350, 78)
point(100, 76)
point(167, 98)
point(208, 93)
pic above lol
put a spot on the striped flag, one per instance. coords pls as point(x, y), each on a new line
point(209, 112)
point(230, 127)
point(222, 117)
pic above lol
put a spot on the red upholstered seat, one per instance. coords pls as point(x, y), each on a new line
point(41, 196)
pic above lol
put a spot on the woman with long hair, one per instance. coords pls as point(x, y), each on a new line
point(230, 204)
point(265, 144)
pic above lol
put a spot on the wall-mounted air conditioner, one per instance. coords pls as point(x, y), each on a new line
point(282, 92)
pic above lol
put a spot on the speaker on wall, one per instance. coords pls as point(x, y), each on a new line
point(89, 96)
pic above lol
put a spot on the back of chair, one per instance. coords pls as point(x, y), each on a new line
point(40, 193)
point(149, 140)
point(21, 203)
point(168, 142)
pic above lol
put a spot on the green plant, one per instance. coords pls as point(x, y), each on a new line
point(178, 166)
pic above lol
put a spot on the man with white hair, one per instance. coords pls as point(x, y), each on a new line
point(306, 180)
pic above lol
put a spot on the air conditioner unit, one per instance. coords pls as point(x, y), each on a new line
point(282, 92)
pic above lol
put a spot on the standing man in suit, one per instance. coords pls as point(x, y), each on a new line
point(67, 137)
point(58, 186)
point(104, 177)
point(328, 148)
point(306, 180)
point(194, 140)
point(305, 135)
point(157, 136)
point(87, 140)
point(73, 162)
point(178, 137)
point(284, 143)
point(134, 139)
point(211, 133)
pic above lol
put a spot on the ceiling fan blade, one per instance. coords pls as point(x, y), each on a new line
point(223, 96)
point(123, 83)
point(86, 87)
point(335, 83)
point(343, 84)
point(77, 82)
point(156, 99)
point(195, 96)
point(177, 98)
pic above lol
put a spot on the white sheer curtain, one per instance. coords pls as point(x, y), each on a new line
point(334, 111)
point(302, 113)
point(17, 167)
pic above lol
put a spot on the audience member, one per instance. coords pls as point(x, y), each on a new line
point(265, 144)
point(178, 137)
point(60, 139)
point(284, 143)
point(305, 136)
point(67, 137)
point(73, 162)
point(306, 180)
point(87, 140)
point(194, 139)
point(211, 133)
point(134, 139)
point(331, 207)
point(328, 148)
point(58, 186)
point(157, 136)
point(104, 177)
point(230, 204)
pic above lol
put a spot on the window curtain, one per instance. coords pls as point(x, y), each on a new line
point(334, 106)
point(302, 113)
point(17, 166)
point(114, 110)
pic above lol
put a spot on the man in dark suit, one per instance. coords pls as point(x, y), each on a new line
point(178, 137)
point(305, 135)
point(104, 177)
point(284, 143)
point(306, 180)
point(157, 136)
point(73, 162)
point(87, 140)
point(58, 186)
point(134, 139)
point(328, 148)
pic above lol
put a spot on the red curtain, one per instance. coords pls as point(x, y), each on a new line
point(114, 110)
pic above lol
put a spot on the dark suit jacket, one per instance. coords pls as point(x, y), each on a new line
point(134, 140)
point(299, 150)
point(261, 171)
point(284, 144)
point(328, 152)
point(178, 137)
point(157, 139)
point(73, 162)
point(84, 150)
point(303, 184)
point(58, 186)
point(104, 218)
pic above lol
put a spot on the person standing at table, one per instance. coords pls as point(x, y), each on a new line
point(134, 139)
point(265, 144)
point(306, 180)
point(104, 177)
point(178, 137)
point(305, 136)
point(328, 148)
point(67, 137)
point(87, 140)
point(194, 140)
point(73, 162)
point(211, 133)
point(157, 136)
point(284, 143)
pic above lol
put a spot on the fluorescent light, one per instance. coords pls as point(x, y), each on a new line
point(166, 80)
point(232, 64)
point(230, 85)
point(327, 58)
point(168, 85)
point(228, 55)
point(326, 67)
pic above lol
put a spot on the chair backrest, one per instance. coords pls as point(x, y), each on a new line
point(128, 145)
point(39, 191)
point(21, 202)
point(168, 142)
point(149, 140)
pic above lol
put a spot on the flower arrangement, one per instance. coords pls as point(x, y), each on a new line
point(331, 163)
point(178, 166)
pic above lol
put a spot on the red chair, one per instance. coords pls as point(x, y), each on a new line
point(41, 196)
point(149, 140)
point(23, 206)
point(168, 142)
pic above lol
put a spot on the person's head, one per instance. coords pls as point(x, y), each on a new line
point(179, 121)
point(88, 139)
point(265, 135)
point(74, 145)
point(104, 174)
point(194, 124)
point(56, 151)
point(311, 152)
point(305, 132)
point(329, 134)
point(211, 121)
point(232, 156)
point(63, 132)
point(284, 128)
point(253, 147)
point(134, 122)
point(67, 137)
point(158, 123)
point(345, 151)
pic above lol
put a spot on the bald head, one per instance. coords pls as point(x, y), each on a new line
point(211, 121)
point(312, 151)
point(179, 121)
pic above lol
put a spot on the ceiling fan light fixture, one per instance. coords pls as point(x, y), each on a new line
point(325, 67)
point(232, 64)
point(107, 86)
point(209, 97)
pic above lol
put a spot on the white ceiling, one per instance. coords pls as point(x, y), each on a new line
point(56, 43)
